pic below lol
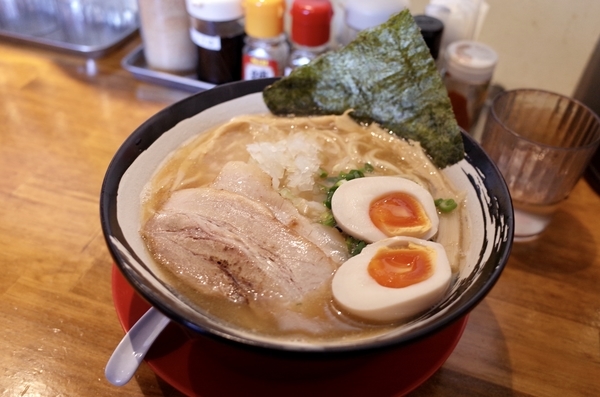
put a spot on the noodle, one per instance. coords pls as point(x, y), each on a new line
point(340, 145)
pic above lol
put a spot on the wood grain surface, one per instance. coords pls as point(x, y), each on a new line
point(62, 118)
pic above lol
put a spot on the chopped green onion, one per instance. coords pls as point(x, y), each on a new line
point(331, 191)
point(445, 205)
point(342, 177)
point(327, 219)
point(354, 174)
point(355, 246)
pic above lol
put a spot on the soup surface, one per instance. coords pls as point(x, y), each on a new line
point(234, 219)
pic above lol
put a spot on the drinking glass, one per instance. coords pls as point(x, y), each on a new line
point(95, 22)
point(28, 17)
point(541, 142)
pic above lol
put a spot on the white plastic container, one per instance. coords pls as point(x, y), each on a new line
point(363, 14)
point(165, 29)
point(468, 70)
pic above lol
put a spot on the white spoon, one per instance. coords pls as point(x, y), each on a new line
point(132, 349)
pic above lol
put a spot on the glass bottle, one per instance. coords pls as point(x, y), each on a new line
point(266, 50)
point(218, 33)
point(311, 26)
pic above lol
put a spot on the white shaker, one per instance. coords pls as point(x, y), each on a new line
point(165, 29)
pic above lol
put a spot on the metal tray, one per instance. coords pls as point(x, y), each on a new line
point(71, 33)
point(135, 63)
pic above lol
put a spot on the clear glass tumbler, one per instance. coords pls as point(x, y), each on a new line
point(28, 17)
point(95, 22)
point(541, 142)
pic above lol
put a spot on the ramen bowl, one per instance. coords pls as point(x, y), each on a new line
point(487, 200)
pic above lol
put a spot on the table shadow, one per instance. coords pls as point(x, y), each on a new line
point(553, 251)
point(459, 375)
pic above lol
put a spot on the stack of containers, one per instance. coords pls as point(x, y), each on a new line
point(231, 40)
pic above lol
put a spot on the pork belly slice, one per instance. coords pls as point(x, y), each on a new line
point(250, 181)
point(225, 244)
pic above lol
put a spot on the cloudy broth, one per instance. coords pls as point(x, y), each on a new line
point(342, 145)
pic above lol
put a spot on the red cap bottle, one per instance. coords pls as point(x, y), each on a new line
point(311, 22)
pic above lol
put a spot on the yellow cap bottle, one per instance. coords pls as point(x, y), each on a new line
point(264, 18)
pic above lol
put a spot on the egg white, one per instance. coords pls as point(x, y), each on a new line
point(357, 293)
point(351, 201)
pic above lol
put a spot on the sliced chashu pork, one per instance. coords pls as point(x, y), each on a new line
point(225, 244)
point(250, 181)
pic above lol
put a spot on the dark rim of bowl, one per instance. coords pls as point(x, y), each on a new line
point(143, 137)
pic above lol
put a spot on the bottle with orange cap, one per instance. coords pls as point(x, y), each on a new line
point(266, 49)
point(311, 26)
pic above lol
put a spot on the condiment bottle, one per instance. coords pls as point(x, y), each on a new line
point(218, 33)
point(364, 14)
point(311, 26)
point(469, 66)
point(266, 50)
point(432, 30)
point(164, 26)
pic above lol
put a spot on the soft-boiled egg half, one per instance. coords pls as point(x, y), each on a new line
point(378, 207)
point(392, 279)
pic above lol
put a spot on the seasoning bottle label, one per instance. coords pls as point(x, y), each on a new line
point(205, 41)
point(259, 68)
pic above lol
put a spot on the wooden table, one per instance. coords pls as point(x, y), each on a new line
point(61, 121)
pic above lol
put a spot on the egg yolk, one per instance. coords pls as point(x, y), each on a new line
point(397, 213)
point(398, 267)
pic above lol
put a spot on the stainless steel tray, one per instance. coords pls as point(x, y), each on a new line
point(69, 32)
point(135, 63)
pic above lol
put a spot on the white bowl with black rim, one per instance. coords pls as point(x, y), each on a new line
point(488, 205)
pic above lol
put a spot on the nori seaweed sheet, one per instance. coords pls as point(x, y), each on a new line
point(386, 75)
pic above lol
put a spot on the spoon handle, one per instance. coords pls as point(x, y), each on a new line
point(133, 347)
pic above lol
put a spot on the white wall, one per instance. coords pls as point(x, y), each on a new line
point(540, 43)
